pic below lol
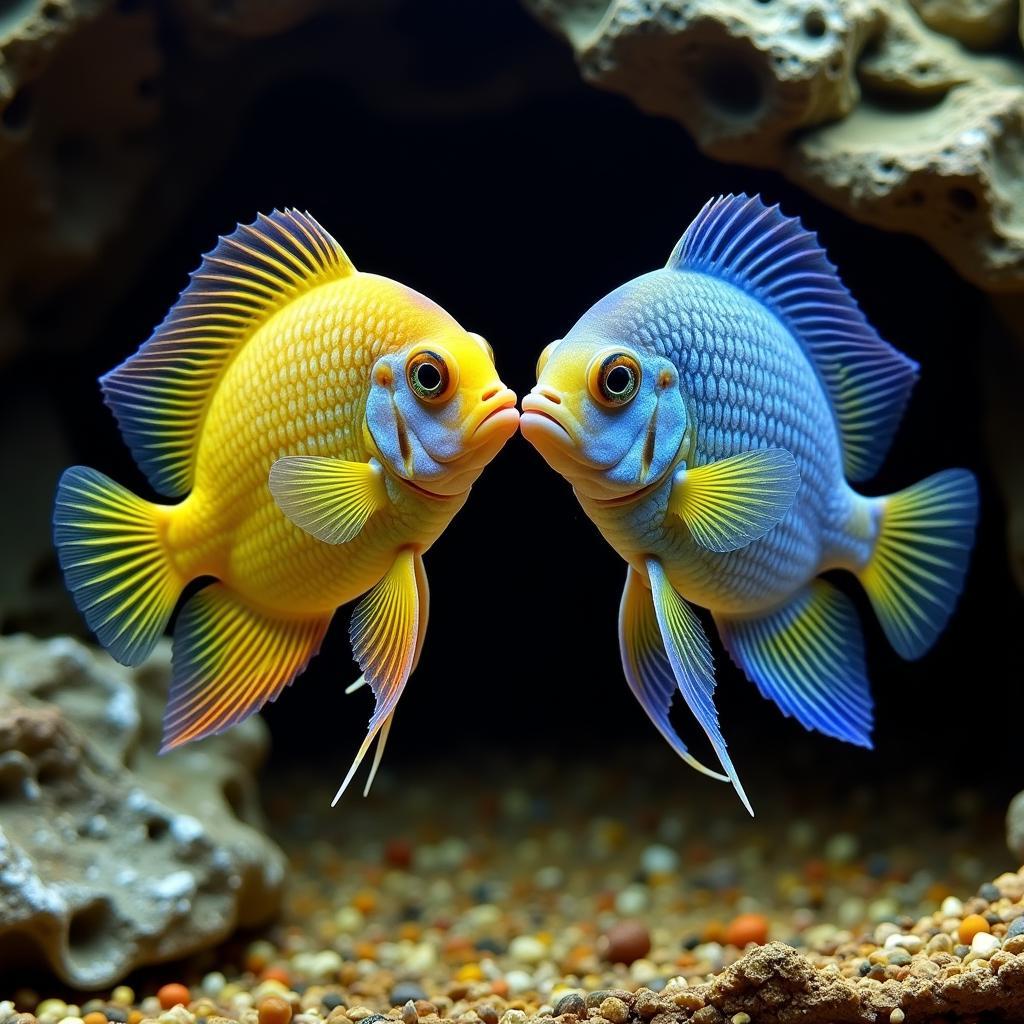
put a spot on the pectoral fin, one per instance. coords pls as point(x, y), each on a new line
point(330, 498)
point(689, 654)
point(647, 667)
point(386, 634)
point(729, 504)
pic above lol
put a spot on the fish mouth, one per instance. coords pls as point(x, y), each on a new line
point(500, 417)
point(540, 420)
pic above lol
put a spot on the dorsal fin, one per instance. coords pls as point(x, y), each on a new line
point(773, 258)
point(160, 394)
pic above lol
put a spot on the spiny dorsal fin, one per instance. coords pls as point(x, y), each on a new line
point(160, 394)
point(773, 258)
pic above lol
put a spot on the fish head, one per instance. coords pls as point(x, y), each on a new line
point(437, 412)
point(607, 411)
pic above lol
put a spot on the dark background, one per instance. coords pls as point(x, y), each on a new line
point(491, 178)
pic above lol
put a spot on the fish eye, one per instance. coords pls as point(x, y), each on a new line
point(615, 378)
point(542, 359)
point(429, 376)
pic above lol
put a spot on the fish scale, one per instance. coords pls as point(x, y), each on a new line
point(748, 389)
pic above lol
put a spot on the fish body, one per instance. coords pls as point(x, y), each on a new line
point(299, 387)
point(748, 385)
point(321, 427)
point(710, 416)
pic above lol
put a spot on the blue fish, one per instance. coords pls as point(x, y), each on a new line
point(710, 417)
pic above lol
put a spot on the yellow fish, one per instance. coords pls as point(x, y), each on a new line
point(322, 426)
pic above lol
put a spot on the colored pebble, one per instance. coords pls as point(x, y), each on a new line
point(95, 1018)
point(1016, 927)
point(747, 929)
point(404, 992)
point(122, 996)
point(172, 994)
point(274, 1010)
point(970, 926)
point(624, 942)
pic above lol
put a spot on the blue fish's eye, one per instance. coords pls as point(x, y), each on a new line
point(429, 376)
point(615, 378)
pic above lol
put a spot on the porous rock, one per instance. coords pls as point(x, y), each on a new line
point(111, 856)
point(867, 104)
point(773, 984)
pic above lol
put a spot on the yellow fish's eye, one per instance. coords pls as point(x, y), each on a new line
point(615, 378)
point(542, 359)
point(429, 376)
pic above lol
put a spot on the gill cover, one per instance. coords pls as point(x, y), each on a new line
point(431, 411)
point(619, 406)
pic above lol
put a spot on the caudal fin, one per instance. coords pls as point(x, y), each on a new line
point(917, 569)
point(110, 547)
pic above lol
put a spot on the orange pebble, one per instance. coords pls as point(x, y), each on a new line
point(173, 994)
point(500, 987)
point(95, 1018)
point(747, 928)
point(277, 973)
point(365, 902)
point(275, 1010)
point(135, 1016)
point(970, 926)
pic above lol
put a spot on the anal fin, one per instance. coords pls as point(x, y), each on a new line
point(808, 657)
point(387, 631)
point(689, 654)
point(647, 667)
point(230, 659)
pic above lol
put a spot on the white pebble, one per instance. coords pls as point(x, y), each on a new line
point(911, 943)
point(527, 949)
point(643, 971)
point(659, 859)
point(549, 877)
point(518, 982)
point(349, 920)
point(213, 984)
point(984, 944)
point(951, 907)
point(632, 900)
point(841, 848)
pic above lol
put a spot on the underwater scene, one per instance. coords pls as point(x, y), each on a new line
point(514, 511)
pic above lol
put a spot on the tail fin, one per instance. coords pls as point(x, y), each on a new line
point(114, 561)
point(917, 569)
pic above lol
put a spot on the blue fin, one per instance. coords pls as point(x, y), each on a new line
point(773, 258)
point(808, 657)
point(689, 654)
point(110, 546)
point(916, 571)
point(228, 660)
point(160, 394)
point(647, 667)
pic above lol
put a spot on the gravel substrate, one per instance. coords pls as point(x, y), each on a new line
point(586, 894)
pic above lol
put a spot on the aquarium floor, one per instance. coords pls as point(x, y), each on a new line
point(489, 892)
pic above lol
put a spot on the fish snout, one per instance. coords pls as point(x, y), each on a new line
point(544, 418)
point(498, 416)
